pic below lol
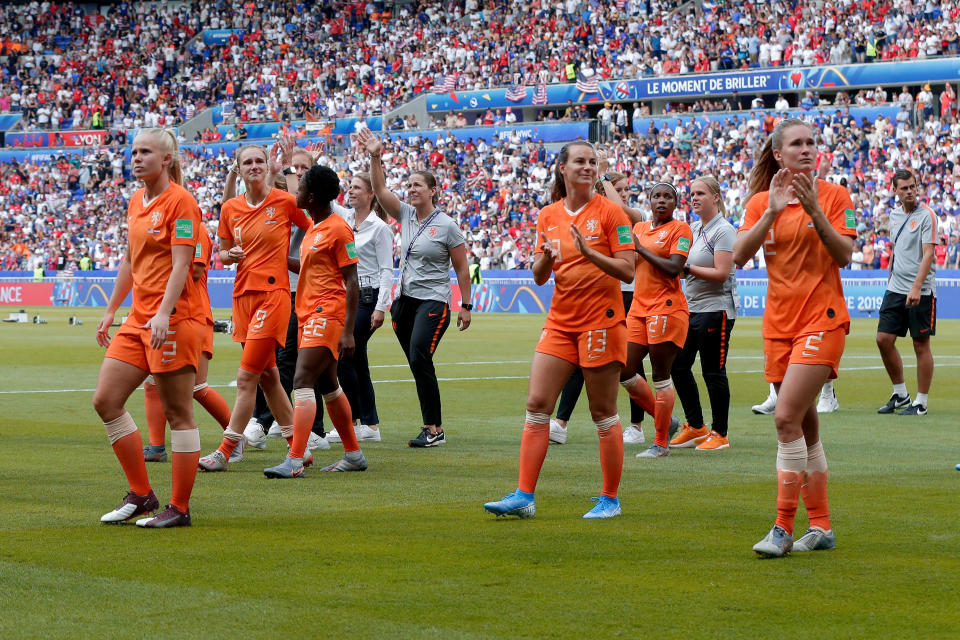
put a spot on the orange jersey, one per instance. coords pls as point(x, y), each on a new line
point(804, 294)
point(327, 247)
point(654, 292)
point(201, 256)
point(263, 232)
point(172, 219)
point(584, 297)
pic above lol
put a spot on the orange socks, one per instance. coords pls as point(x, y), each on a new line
point(611, 453)
point(128, 446)
point(213, 402)
point(186, 453)
point(338, 408)
point(304, 411)
point(533, 449)
point(791, 462)
point(156, 418)
point(814, 487)
point(640, 393)
point(230, 441)
point(663, 412)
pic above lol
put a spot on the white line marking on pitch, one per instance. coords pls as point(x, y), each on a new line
point(472, 378)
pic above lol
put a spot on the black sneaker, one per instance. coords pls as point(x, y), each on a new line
point(895, 402)
point(427, 439)
point(913, 410)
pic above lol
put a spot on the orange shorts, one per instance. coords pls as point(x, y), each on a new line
point(671, 327)
point(587, 349)
point(182, 348)
point(261, 314)
point(318, 331)
point(821, 347)
point(207, 347)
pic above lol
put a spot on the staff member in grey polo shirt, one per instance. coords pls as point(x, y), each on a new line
point(429, 242)
point(910, 300)
point(711, 289)
point(374, 241)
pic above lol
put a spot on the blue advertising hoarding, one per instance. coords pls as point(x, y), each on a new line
point(546, 131)
point(7, 120)
point(220, 36)
point(716, 84)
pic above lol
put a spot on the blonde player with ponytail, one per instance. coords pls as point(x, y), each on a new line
point(805, 227)
point(163, 334)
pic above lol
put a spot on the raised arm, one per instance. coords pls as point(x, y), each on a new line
point(749, 241)
point(839, 247)
point(374, 148)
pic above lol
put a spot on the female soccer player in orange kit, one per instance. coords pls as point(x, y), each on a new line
point(587, 245)
point(163, 334)
point(658, 319)
point(806, 228)
point(255, 232)
point(327, 298)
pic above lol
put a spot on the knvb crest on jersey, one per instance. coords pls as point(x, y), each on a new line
point(271, 214)
point(155, 218)
point(432, 232)
point(317, 237)
point(662, 236)
point(593, 228)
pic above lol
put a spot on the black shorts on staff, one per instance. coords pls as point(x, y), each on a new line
point(896, 317)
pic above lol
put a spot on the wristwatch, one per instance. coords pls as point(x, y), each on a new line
point(289, 171)
point(467, 306)
point(607, 177)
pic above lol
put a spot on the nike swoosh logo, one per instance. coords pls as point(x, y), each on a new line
point(711, 330)
point(552, 228)
point(791, 482)
point(433, 315)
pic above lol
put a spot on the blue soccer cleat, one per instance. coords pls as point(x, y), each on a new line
point(776, 544)
point(515, 504)
point(606, 507)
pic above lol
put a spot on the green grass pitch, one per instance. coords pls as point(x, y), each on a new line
point(405, 550)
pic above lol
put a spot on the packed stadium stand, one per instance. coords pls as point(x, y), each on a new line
point(68, 67)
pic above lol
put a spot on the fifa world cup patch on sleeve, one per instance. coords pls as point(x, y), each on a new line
point(198, 253)
point(623, 234)
point(683, 244)
point(851, 218)
point(351, 250)
point(184, 228)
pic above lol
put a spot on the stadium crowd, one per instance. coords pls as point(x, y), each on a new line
point(139, 65)
point(68, 214)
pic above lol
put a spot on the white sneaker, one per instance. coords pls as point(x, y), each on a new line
point(633, 435)
point(767, 407)
point(828, 403)
point(558, 432)
point(333, 436)
point(237, 454)
point(275, 430)
point(366, 434)
point(254, 435)
point(315, 442)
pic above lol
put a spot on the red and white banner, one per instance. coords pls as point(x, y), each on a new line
point(32, 294)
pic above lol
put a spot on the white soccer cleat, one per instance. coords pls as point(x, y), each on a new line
point(254, 435)
point(216, 461)
point(366, 434)
point(275, 431)
point(315, 442)
point(237, 454)
point(767, 407)
point(633, 435)
point(828, 403)
point(558, 432)
point(333, 436)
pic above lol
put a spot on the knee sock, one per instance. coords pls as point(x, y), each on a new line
point(610, 434)
point(533, 449)
point(156, 418)
point(814, 487)
point(791, 462)
point(338, 408)
point(186, 453)
point(213, 402)
point(128, 446)
point(663, 413)
point(304, 411)
point(640, 393)
point(230, 441)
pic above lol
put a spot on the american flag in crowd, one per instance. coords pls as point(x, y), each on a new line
point(621, 5)
point(587, 84)
point(540, 94)
point(516, 93)
point(448, 84)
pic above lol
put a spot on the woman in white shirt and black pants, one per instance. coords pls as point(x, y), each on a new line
point(373, 238)
point(430, 242)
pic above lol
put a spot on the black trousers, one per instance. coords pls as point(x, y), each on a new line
point(287, 365)
point(709, 335)
point(571, 390)
point(419, 325)
point(354, 372)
